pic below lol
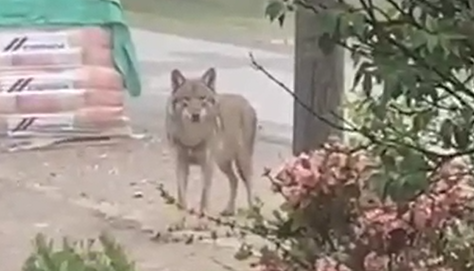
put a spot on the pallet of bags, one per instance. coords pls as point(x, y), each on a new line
point(33, 48)
point(60, 83)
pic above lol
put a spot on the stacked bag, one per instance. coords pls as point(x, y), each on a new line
point(62, 82)
point(58, 82)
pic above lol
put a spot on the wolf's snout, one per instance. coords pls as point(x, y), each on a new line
point(195, 117)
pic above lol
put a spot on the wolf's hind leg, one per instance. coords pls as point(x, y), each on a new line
point(227, 169)
point(245, 169)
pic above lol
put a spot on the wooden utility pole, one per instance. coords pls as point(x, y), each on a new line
point(319, 83)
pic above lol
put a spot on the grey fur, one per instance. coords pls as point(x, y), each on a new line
point(204, 128)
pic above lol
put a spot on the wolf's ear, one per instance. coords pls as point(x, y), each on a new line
point(177, 79)
point(209, 78)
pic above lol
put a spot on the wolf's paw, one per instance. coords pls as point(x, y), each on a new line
point(227, 212)
point(177, 225)
point(199, 224)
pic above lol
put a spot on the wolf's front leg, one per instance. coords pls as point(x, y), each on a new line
point(207, 173)
point(182, 173)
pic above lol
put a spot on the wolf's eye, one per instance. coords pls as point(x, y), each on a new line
point(185, 101)
point(202, 98)
point(180, 102)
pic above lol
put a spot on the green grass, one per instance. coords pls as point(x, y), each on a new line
point(235, 21)
point(198, 9)
point(239, 21)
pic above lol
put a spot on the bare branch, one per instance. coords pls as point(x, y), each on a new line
point(260, 68)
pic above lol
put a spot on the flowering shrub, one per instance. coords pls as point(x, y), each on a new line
point(335, 220)
point(404, 206)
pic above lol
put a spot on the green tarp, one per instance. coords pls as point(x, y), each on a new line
point(66, 13)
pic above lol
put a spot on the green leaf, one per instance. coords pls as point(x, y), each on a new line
point(299, 219)
point(286, 207)
point(408, 178)
point(281, 19)
point(380, 184)
point(461, 136)
point(367, 84)
point(432, 42)
point(421, 120)
point(445, 44)
point(275, 9)
point(388, 161)
point(77, 257)
point(411, 185)
point(431, 23)
point(64, 266)
point(358, 22)
point(356, 56)
point(361, 73)
point(379, 110)
point(278, 216)
point(446, 133)
point(417, 38)
point(413, 161)
point(467, 114)
point(391, 87)
point(434, 95)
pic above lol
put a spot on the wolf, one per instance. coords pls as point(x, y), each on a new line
point(205, 128)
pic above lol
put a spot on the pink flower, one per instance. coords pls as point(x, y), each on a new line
point(294, 195)
point(374, 262)
point(328, 264)
point(306, 177)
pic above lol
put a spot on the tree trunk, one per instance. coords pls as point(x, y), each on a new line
point(319, 83)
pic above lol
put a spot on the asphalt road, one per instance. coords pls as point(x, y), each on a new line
point(159, 53)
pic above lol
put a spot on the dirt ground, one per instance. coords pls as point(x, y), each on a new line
point(81, 191)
